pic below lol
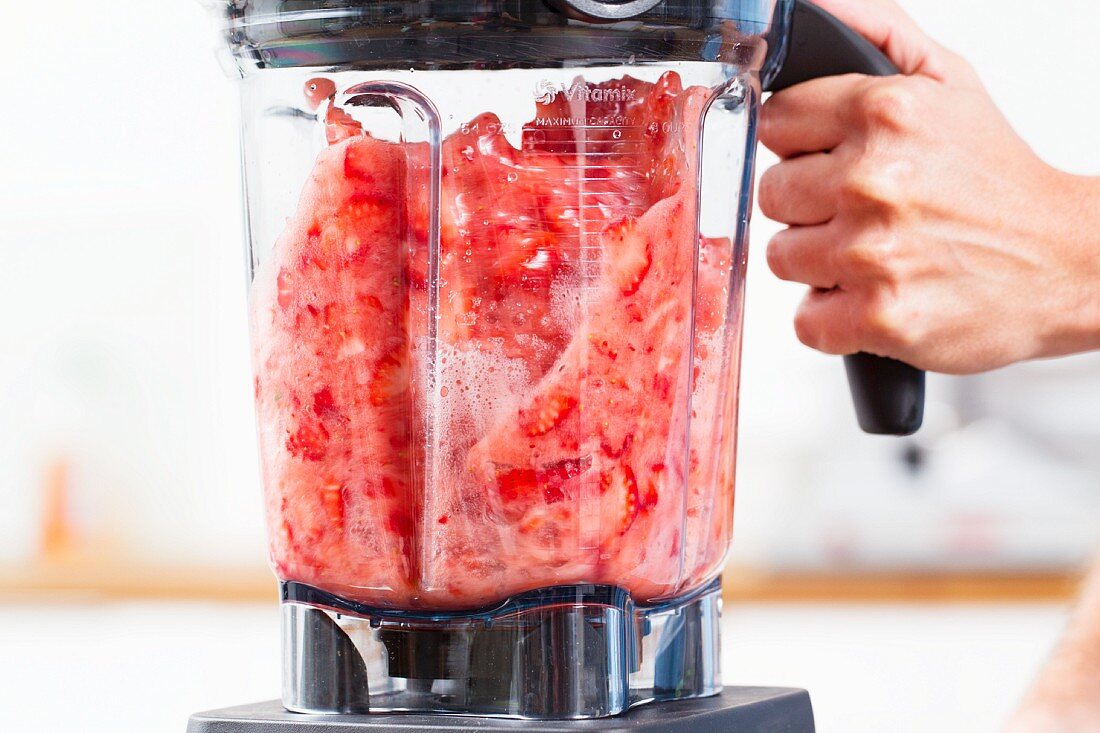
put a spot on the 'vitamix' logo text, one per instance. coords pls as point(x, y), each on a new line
point(546, 92)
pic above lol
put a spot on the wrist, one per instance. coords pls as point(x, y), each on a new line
point(1071, 225)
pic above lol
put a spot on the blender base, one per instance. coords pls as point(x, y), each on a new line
point(736, 710)
point(559, 653)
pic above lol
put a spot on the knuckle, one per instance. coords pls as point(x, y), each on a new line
point(873, 255)
point(890, 103)
point(877, 182)
point(889, 326)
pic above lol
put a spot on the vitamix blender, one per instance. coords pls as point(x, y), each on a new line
point(497, 255)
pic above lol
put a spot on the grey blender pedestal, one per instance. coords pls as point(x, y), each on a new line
point(735, 710)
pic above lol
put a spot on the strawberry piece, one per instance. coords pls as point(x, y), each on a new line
point(548, 482)
point(527, 258)
point(629, 256)
point(546, 413)
point(286, 290)
point(361, 166)
point(308, 442)
point(391, 379)
point(323, 402)
point(517, 482)
point(650, 497)
point(401, 525)
point(620, 488)
point(332, 497)
point(339, 125)
point(317, 90)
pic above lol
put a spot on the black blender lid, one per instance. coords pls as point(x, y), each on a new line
point(441, 34)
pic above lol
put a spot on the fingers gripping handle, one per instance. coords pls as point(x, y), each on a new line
point(888, 395)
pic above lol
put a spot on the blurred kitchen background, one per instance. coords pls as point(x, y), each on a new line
point(911, 585)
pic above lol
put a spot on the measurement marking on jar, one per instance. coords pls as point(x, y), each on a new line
point(668, 127)
point(617, 128)
point(588, 122)
point(597, 165)
point(489, 128)
point(619, 151)
point(592, 179)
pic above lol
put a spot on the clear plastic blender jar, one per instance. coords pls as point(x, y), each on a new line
point(497, 257)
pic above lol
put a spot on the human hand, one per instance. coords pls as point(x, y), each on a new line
point(928, 230)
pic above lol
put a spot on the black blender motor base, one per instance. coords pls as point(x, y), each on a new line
point(735, 710)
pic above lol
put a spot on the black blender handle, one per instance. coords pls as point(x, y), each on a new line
point(889, 395)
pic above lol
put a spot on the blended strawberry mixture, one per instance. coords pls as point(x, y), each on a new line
point(567, 417)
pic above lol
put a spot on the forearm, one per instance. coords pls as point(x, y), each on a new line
point(1066, 697)
point(1073, 224)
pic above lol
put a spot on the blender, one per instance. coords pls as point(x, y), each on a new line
point(497, 257)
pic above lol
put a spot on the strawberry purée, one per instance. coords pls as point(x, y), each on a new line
point(565, 431)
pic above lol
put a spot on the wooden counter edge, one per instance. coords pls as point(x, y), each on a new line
point(79, 581)
point(752, 586)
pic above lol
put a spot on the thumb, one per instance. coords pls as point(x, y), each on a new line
point(887, 26)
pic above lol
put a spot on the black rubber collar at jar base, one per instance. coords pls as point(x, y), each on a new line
point(565, 653)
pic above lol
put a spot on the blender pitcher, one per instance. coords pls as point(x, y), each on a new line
point(497, 258)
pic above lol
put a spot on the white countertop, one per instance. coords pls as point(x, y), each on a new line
point(870, 668)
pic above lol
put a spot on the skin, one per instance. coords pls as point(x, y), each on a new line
point(1066, 697)
point(928, 231)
